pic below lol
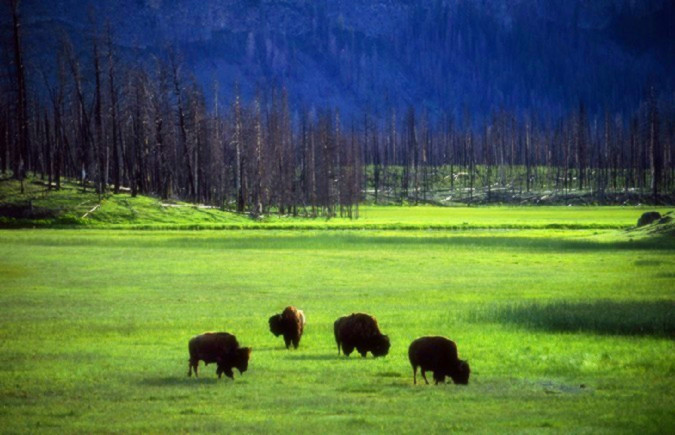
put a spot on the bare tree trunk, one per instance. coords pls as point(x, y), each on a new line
point(257, 193)
point(116, 167)
point(581, 146)
point(83, 124)
point(99, 144)
point(238, 138)
point(655, 153)
point(182, 126)
point(20, 156)
point(527, 158)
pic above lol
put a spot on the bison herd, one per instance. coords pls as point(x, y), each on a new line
point(357, 331)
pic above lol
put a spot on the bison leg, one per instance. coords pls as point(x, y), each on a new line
point(424, 375)
point(287, 340)
point(347, 349)
point(414, 375)
point(193, 366)
point(226, 370)
point(296, 342)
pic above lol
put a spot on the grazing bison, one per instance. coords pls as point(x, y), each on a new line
point(218, 347)
point(360, 331)
point(290, 323)
point(439, 355)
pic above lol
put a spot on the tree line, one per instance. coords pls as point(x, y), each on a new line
point(145, 127)
point(414, 157)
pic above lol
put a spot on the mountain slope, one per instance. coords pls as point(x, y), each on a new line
point(443, 55)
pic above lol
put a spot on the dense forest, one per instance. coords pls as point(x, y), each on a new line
point(151, 127)
point(439, 55)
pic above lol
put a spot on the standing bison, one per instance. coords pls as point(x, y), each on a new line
point(221, 348)
point(290, 323)
point(439, 355)
point(360, 331)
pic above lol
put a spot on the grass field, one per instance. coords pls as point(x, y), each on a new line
point(70, 208)
point(565, 330)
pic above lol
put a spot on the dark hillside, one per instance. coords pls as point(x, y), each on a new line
point(352, 54)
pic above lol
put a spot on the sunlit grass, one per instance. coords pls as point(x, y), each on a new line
point(95, 324)
point(70, 207)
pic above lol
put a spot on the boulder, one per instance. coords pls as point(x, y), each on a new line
point(648, 217)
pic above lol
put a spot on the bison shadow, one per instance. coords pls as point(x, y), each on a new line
point(316, 357)
point(177, 381)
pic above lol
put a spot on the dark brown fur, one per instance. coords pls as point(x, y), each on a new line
point(218, 347)
point(290, 323)
point(360, 331)
point(439, 355)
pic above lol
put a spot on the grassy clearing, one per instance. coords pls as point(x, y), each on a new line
point(95, 324)
point(446, 185)
point(70, 207)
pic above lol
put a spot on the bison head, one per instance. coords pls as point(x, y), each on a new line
point(462, 373)
point(224, 369)
point(380, 345)
point(241, 358)
point(276, 325)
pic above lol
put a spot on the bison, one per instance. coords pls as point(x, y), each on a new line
point(360, 331)
point(221, 348)
point(290, 323)
point(439, 355)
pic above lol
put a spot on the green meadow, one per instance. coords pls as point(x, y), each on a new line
point(565, 330)
point(566, 315)
point(71, 207)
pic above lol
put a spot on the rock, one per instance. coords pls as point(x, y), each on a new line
point(648, 217)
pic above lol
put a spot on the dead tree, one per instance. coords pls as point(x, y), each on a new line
point(20, 156)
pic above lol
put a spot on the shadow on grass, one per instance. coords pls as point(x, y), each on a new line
point(605, 317)
point(341, 241)
point(648, 262)
point(177, 381)
point(314, 357)
point(665, 275)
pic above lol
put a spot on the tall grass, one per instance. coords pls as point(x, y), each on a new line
point(604, 316)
